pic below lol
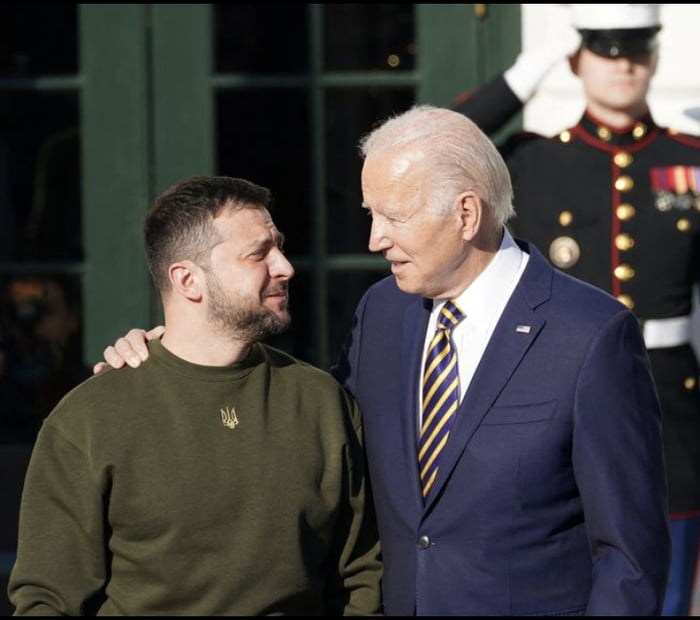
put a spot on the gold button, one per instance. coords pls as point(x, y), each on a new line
point(625, 212)
point(639, 131)
point(564, 252)
point(627, 300)
point(604, 134)
point(683, 224)
point(690, 383)
point(624, 272)
point(623, 159)
point(624, 242)
point(565, 137)
point(624, 184)
point(565, 218)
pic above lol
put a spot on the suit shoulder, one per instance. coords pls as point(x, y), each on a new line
point(583, 297)
point(386, 288)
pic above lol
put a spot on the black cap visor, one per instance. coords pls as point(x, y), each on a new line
point(621, 42)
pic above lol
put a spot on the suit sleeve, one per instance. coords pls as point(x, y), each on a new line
point(347, 366)
point(619, 468)
point(491, 106)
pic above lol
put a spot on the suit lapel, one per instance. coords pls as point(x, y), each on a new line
point(515, 332)
point(415, 322)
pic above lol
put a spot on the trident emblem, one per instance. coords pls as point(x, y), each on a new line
point(228, 418)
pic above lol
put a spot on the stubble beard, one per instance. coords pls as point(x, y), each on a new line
point(245, 321)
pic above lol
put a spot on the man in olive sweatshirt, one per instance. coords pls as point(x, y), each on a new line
point(222, 477)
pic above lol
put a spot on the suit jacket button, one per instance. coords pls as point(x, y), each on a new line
point(424, 542)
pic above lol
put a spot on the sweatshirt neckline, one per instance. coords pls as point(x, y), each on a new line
point(199, 371)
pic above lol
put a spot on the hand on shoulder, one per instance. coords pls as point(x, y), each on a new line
point(130, 349)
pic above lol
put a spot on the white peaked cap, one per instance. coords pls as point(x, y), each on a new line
point(614, 16)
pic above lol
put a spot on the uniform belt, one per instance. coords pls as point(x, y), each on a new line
point(663, 333)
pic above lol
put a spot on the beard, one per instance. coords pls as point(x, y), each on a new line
point(245, 318)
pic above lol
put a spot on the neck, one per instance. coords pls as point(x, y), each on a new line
point(200, 345)
point(482, 251)
point(618, 119)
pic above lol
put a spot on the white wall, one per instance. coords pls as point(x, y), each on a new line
point(674, 97)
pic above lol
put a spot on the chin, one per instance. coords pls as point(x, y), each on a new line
point(283, 318)
point(408, 286)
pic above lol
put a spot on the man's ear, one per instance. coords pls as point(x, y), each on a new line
point(187, 279)
point(471, 212)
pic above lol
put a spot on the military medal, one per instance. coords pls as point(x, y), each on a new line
point(664, 200)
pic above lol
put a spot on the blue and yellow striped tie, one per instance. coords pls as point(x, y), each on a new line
point(440, 395)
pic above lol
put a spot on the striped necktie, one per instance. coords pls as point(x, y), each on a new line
point(440, 395)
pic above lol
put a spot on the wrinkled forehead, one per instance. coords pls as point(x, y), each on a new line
point(241, 222)
point(398, 173)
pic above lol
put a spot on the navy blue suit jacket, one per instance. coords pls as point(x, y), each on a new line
point(551, 495)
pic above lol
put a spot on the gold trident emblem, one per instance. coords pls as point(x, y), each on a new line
point(228, 418)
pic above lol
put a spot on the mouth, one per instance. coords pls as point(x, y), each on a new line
point(278, 294)
point(397, 265)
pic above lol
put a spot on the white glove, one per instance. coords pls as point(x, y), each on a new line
point(533, 65)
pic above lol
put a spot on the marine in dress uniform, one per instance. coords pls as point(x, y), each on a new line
point(620, 207)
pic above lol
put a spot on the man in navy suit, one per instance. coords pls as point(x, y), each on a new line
point(548, 494)
point(615, 200)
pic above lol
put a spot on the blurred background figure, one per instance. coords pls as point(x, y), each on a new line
point(40, 351)
point(615, 200)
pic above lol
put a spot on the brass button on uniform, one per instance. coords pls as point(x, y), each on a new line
point(689, 383)
point(624, 184)
point(604, 134)
point(624, 242)
point(639, 131)
point(683, 224)
point(625, 212)
point(623, 159)
point(564, 252)
point(624, 272)
point(565, 137)
point(627, 300)
point(565, 218)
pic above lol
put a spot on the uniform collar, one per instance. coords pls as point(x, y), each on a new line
point(597, 131)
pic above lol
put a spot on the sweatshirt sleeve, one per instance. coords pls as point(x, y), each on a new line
point(357, 592)
point(60, 562)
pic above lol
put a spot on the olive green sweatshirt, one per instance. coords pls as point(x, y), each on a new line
point(179, 489)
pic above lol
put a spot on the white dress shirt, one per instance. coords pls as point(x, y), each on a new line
point(482, 302)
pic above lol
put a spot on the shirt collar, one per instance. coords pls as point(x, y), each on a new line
point(484, 297)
